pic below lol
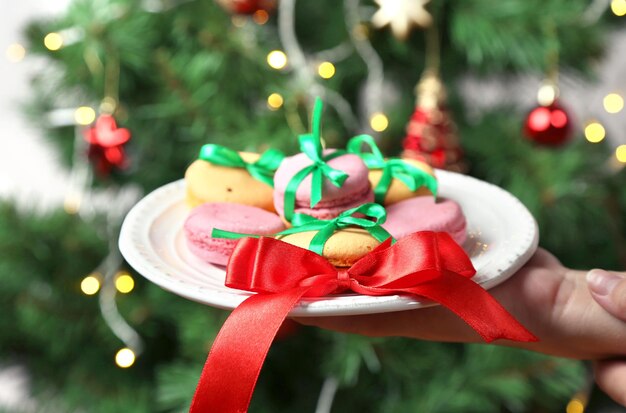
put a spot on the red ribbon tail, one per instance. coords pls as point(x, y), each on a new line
point(239, 350)
point(475, 306)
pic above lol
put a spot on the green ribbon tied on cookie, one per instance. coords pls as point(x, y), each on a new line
point(311, 146)
point(349, 218)
point(392, 168)
point(369, 217)
point(262, 170)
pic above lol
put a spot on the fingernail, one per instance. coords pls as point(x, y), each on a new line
point(602, 282)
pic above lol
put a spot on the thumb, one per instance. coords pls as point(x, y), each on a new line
point(609, 290)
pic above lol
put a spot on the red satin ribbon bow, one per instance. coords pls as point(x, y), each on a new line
point(425, 264)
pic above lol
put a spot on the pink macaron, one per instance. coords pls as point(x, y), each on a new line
point(356, 189)
point(229, 217)
point(423, 213)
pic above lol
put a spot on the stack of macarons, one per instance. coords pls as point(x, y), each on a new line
point(230, 199)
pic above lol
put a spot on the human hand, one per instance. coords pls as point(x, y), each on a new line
point(609, 290)
point(552, 301)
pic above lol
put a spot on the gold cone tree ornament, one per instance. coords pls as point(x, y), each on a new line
point(431, 134)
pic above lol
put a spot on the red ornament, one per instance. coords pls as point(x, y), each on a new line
point(431, 134)
point(247, 7)
point(431, 138)
point(106, 145)
point(549, 125)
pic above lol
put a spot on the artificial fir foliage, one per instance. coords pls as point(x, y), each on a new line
point(189, 76)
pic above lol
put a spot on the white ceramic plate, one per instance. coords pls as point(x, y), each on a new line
point(502, 236)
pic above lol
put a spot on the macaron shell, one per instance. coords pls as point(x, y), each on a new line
point(207, 182)
point(212, 252)
point(398, 191)
point(426, 214)
point(240, 218)
point(330, 212)
point(356, 189)
point(357, 180)
point(343, 248)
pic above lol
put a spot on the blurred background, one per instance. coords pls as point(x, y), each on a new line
point(103, 101)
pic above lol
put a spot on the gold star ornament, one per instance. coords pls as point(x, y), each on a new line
point(401, 15)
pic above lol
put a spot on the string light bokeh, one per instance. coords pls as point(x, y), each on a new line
point(124, 283)
point(260, 17)
point(613, 103)
point(277, 59)
point(15, 53)
point(275, 101)
point(618, 7)
point(125, 358)
point(53, 41)
point(595, 132)
point(90, 285)
point(379, 122)
point(326, 70)
point(84, 115)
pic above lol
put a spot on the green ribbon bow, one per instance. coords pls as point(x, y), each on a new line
point(392, 168)
point(261, 170)
point(311, 146)
point(326, 228)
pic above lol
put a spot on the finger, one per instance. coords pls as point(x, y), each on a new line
point(543, 259)
point(611, 378)
point(609, 290)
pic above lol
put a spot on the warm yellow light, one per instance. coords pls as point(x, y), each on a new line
point(84, 115)
point(575, 406)
point(260, 17)
point(53, 41)
point(124, 283)
point(618, 7)
point(620, 153)
point(274, 101)
point(72, 202)
point(613, 103)
point(15, 52)
point(277, 59)
point(125, 358)
point(326, 70)
point(594, 132)
point(379, 122)
point(547, 94)
point(90, 285)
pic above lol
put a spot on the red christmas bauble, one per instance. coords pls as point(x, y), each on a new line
point(548, 125)
point(247, 7)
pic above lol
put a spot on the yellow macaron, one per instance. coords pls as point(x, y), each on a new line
point(398, 191)
point(342, 249)
point(207, 182)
